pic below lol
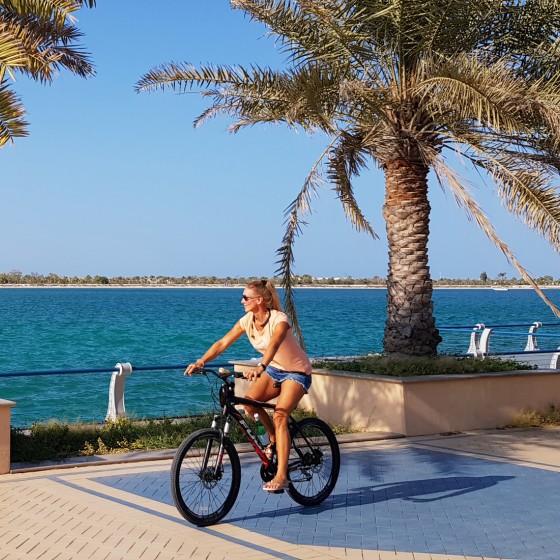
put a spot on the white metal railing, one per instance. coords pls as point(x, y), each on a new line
point(481, 335)
point(116, 405)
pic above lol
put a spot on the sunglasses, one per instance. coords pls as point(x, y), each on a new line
point(246, 298)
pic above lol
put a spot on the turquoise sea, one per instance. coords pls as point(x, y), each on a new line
point(71, 328)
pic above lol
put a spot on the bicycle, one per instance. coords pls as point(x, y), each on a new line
point(206, 471)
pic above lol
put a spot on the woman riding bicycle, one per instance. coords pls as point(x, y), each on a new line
point(286, 367)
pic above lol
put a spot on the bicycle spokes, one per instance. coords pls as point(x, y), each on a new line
point(314, 462)
point(205, 477)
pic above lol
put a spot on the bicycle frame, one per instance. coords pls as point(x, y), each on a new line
point(228, 401)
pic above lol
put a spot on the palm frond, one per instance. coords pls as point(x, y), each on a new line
point(466, 202)
point(306, 97)
point(12, 116)
point(527, 30)
point(468, 89)
point(523, 182)
point(315, 30)
point(45, 10)
point(523, 179)
point(57, 11)
point(300, 206)
point(346, 160)
point(527, 192)
point(365, 101)
point(12, 55)
point(524, 30)
point(45, 41)
point(37, 38)
point(184, 76)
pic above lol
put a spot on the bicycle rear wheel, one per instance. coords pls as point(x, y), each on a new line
point(204, 478)
point(314, 462)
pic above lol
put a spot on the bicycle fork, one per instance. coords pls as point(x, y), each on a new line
point(207, 453)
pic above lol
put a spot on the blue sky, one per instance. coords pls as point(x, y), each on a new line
point(116, 183)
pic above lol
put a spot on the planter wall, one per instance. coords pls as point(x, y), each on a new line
point(5, 415)
point(429, 404)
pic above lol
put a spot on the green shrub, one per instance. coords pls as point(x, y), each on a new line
point(52, 440)
point(55, 441)
point(411, 366)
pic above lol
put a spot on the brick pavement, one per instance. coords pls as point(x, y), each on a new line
point(482, 495)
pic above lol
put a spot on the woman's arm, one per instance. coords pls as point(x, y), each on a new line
point(217, 348)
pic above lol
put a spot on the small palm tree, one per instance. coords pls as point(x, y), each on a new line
point(402, 83)
point(37, 38)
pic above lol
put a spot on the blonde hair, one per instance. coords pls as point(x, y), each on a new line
point(266, 290)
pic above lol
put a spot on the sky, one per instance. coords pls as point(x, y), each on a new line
point(117, 183)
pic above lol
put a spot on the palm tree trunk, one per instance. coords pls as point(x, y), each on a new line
point(410, 327)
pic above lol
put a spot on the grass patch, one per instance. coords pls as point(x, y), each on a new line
point(410, 366)
point(533, 419)
point(341, 429)
point(55, 441)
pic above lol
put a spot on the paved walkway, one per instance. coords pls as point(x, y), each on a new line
point(481, 495)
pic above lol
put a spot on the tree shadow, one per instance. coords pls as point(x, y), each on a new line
point(417, 491)
point(447, 487)
point(375, 464)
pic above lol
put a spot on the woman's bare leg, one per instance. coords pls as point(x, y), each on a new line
point(290, 395)
point(263, 389)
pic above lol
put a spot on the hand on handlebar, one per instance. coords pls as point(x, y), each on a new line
point(252, 374)
point(191, 368)
point(199, 367)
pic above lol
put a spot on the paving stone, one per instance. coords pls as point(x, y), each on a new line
point(416, 499)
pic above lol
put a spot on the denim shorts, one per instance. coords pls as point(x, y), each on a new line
point(280, 375)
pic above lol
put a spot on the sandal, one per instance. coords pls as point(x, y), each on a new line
point(276, 487)
point(270, 450)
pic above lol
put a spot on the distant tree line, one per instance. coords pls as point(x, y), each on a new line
point(15, 277)
point(52, 279)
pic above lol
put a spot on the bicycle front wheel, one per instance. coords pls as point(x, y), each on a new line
point(314, 462)
point(205, 477)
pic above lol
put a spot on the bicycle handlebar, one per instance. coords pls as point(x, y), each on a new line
point(222, 373)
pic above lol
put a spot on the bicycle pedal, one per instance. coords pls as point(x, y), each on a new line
point(276, 491)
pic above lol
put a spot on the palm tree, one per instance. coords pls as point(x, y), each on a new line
point(403, 83)
point(37, 38)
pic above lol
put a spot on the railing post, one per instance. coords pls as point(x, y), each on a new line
point(5, 427)
point(484, 345)
point(475, 335)
point(554, 360)
point(116, 406)
point(480, 341)
point(531, 338)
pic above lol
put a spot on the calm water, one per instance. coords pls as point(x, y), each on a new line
point(95, 328)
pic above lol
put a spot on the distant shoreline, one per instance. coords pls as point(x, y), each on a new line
point(240, 286)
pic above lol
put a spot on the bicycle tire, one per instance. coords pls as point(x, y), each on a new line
point(314, 462)
point(203, 491)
